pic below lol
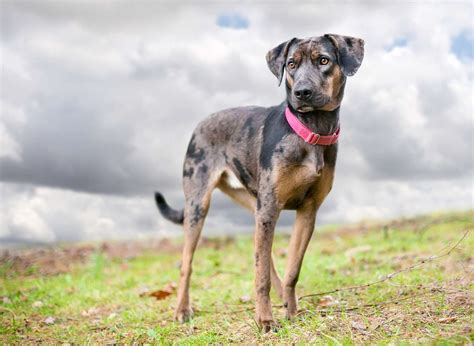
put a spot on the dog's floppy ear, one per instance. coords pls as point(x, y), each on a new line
point(276, 58)
point(350, 52)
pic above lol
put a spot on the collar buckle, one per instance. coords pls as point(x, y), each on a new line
point(312, 138)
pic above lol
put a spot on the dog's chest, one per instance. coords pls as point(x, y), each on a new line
point(296, 173)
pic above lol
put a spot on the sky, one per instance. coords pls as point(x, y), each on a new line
point(99, 100)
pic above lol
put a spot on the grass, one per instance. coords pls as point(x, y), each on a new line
point(98, 300)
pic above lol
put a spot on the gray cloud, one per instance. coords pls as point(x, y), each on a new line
point(99, 101)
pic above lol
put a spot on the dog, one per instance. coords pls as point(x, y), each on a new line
point(268, 160)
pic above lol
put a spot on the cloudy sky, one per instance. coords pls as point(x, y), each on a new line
point(99, 99)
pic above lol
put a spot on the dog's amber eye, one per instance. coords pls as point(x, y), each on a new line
point(323, 61)
point(291, 65)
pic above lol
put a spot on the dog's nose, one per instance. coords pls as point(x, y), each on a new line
point(303, 94)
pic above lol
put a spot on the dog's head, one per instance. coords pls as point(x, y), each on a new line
point(316, 69)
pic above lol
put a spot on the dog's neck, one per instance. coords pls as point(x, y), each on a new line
point(319, 121)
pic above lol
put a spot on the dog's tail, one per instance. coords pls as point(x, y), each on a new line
point(168, 212)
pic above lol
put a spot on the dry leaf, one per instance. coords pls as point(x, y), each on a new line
point(327, 251)
point(245, 299)
point(49, 320)
point(165, 292)
point(356, 250)
point(358, 325)
point(90, 312)
point(143, 291)
point(160, 294)
point(37, 304)
point(447, 319)
point(327, 301)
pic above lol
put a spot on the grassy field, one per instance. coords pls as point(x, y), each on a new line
point(101, 293)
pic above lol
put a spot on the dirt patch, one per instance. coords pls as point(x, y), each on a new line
point(417, 224)
point(60, 259)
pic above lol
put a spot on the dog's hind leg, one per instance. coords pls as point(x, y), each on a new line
point(198, 195)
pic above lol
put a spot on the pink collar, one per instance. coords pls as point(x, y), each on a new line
point(305, 133)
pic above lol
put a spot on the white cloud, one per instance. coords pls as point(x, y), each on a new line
point(38, 214)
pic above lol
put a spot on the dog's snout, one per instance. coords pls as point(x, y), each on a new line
point(303, 93)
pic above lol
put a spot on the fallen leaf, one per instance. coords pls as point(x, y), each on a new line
point(327, 251)
point(447, 319)
point(37, 304)
point(356, 250)
point(90, 312)
point(326, 301)
point(358, 325)
point(245, 299)
point(143, 291)
point(49, 320)
point(163, 293)
point(160, 294)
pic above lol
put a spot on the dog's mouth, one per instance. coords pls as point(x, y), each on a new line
point(305, 109)
point(317, 102)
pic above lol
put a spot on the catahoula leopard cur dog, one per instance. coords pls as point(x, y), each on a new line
point(270, 159)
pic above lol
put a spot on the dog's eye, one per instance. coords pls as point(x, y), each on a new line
point(323, 61)
point(291, 65)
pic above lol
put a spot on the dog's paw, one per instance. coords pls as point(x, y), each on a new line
point(291, 308)
point(183, 315)
point(290, 315)
point(266, 324)
point(269, 326)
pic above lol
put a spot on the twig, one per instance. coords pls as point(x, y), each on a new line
point(391, 275)
point(376, 304)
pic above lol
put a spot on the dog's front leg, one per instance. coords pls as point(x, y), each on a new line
point(266, 216)
point(300, 237)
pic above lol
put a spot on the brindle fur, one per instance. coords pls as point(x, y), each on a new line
point(274, 167)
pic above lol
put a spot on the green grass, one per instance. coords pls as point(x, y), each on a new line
point(99, 301)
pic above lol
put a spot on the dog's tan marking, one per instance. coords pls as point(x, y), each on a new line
point(333, 88)
point(289, 80)
point(300, 237)
point(293, 181)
